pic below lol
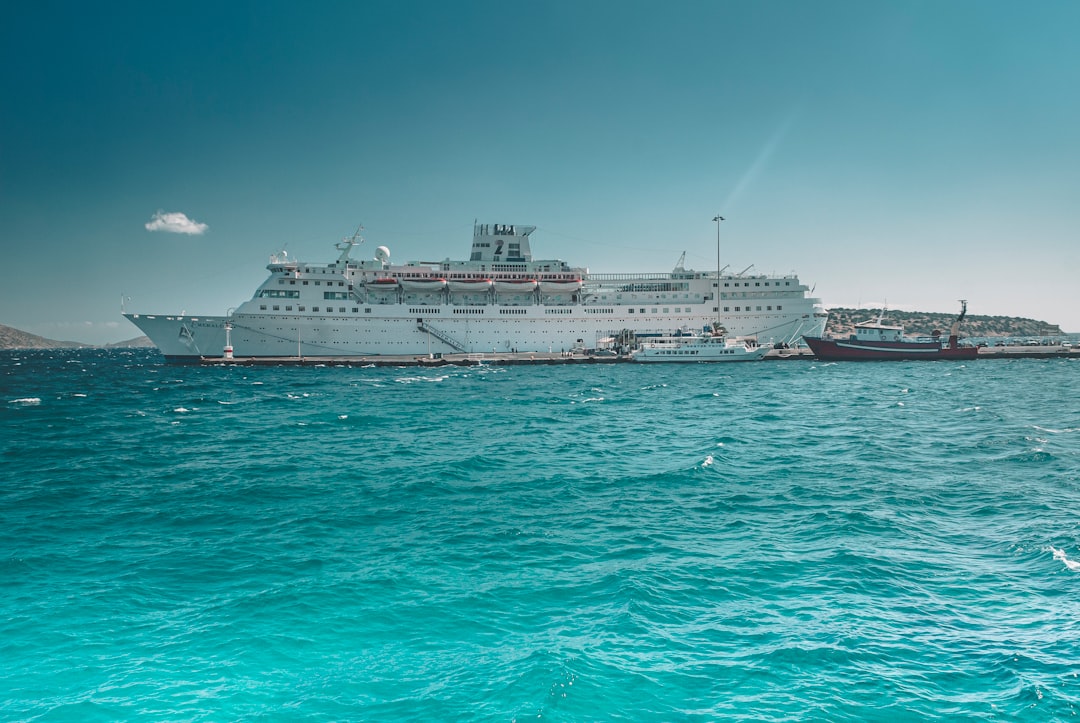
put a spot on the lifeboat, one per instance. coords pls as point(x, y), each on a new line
point(514, 286)
point(382, 282)
point(470, 286)
point(427, 283)
point(560, 286)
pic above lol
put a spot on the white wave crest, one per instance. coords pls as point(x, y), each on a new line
point(1069, 430)
point(1060, 555)
point(27, 401)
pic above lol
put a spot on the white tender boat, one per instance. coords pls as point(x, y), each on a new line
point(709, 346)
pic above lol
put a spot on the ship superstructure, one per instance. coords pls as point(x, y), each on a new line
point(500, 300)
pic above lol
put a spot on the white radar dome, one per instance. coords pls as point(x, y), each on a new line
point(382, 254)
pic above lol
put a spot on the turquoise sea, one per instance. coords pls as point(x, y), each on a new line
point(776, 541)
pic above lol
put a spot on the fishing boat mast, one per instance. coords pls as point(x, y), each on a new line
point(954, 332)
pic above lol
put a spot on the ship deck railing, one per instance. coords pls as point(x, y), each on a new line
point(631, 277)
point(680, 276)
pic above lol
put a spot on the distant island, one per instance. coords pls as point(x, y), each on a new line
point(921, 323)
point(11, 338)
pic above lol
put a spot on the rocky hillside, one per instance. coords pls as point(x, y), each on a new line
point(11, 338)
point(922, 323)
point(14, 339)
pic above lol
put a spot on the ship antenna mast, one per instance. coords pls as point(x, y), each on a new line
point(718, 218)
point(347, 243)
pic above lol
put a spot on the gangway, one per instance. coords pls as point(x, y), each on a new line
point(440, 335)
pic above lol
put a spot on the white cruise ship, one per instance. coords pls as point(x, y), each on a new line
point(500, 300)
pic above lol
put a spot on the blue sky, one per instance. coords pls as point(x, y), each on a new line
point(907, 152)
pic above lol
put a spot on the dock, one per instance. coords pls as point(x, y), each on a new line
point(576, 357)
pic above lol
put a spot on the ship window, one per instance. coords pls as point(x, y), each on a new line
point(367, 310)
point(737, 308)
point(292, 282)
point(305, 283)
point(726, 284)
point(288, 308)
point(759, 308)
point(769, 308)
point(727, 308)
point(341, 309)
point(787, 283)
point(301, 308)
point(262, 307)
point(355, 310)
point(642, 311)
point(318, 283)
point(276, 307)
point(779, 308)
point(757, 283)
point(314, 308)
point(630, 311)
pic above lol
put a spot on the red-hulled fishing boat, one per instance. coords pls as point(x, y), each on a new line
point(874, 340)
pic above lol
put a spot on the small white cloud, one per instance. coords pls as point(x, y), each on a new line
point(175, 223)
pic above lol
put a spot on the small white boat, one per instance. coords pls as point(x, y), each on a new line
point(705, 347)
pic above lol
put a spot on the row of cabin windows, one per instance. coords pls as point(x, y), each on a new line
point(655, 310)
point(262, 307)
point(329, 309)
point(757, 283)
point(739, 308)
point(305, 283)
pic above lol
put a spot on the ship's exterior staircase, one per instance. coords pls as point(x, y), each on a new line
point(440, 334)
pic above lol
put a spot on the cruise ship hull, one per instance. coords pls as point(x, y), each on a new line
point(482, 330)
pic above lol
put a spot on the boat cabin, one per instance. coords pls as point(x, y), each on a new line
point(876, 331)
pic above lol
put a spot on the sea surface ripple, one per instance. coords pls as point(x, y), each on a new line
point(776, 541)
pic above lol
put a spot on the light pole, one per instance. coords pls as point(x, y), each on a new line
point(718, 218)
